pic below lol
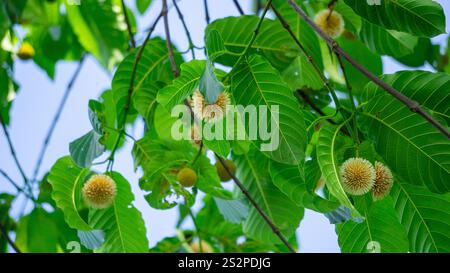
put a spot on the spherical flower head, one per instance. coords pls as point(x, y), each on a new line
point(210, 112)
point(357, 176)
point(330, 22)
point(99, 191)
point(26, 51)
point(383, 181)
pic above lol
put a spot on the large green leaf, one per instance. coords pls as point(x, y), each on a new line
point(154, 65)
point(145, 101)
point(256, 83)
point(66, 179)
point(387, 42)
point(425, 216)
point(273, 41)
point(418, 17)
point(411, 146)
point(329, 165)
point(182, 86)
point(97, 26)
point(86, 148)
point(380, 231)
point(293, 180)
point(252, 171)
point(122, 223)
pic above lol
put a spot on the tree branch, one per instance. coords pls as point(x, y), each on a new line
point(411, 104)
point(8, 239)
point(56, 119)
point(15, 185)
point(238, 6)
point(205, 4)
point(127, 21)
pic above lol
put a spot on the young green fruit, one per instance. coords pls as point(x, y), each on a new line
point(187, 177)
point(99, 191)
point(206, 248)
point(223, 174)
point(26, 51)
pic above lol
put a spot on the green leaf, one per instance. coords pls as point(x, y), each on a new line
point(234, 211)
point(86, 148)
point(153, 66)
point(215, 46)
point(272, 41)
point(411, 146)
point(425, 216)
point(182, 86)
point(387, 42)
point(328, 162)
point(293, 180)
point(209, 85)
point(208, 179)
point(96, 25)
point(252, 171)
point(122, 223)
point(256, 83)
point(381, 226)
point(418, 17)
point(145, 101)
point(143, 5)
point(37, 233)
point(66, 179)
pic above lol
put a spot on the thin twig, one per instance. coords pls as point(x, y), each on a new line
point(137, 59)
point(127, 21)
point(266, 218)
point(186, 30)
point(13, 151)
point(238, 6)
point(15, 185)
point(60, 109)
point(173, 64)
point(8, 239)
point(205, 5)
point(411, 104)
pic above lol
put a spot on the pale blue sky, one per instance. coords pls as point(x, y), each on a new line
point(39, 97)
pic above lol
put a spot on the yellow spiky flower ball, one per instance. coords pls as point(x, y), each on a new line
point(383, 181)
point(210, 112)
point(331, 22)
point(26, 51)
point(206, 248)
point(357, 176)
point(99, 191)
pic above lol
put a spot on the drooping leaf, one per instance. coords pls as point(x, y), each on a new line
point(418, 17)
point(387, 42)
point(234, 211)
point(256, 83)
point(86, 148)
point(66, 179)
point(122, 223)
point(381, 227)
point(209, 85)
point(425, 216)
point(329, 164)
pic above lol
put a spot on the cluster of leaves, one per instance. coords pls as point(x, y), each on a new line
point(265, 67)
